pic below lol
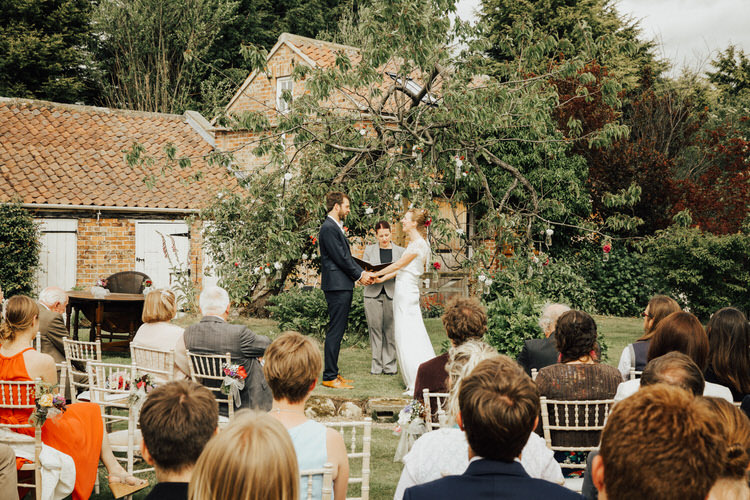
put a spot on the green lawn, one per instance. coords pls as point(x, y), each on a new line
point(354, 363)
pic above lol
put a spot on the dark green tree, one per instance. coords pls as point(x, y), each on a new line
point(19, 250)
point(43, 51)
point(732, 75)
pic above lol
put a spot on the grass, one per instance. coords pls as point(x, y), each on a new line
point(354, 363)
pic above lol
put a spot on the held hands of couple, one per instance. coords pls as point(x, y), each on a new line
point(368, 278)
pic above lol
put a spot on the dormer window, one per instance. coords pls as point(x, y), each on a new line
point(284, 84)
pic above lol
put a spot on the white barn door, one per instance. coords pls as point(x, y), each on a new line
point(149, 250)
point(58, 257)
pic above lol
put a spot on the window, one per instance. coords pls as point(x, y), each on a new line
point(284, 84)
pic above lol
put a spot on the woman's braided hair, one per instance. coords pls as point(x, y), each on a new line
point(576, 335)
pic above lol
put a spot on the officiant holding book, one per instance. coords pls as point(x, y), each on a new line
point(379, 303)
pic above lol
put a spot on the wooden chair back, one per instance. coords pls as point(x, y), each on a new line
point(159, 364)
point(357, 450)
point(20, 396)
point(127, 282)
point(434, 400)
point(206, 369)
point(534, 373)
point(307, 486)
point(79, 352)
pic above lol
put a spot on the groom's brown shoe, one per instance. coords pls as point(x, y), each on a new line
point(344, 380)
point(336, 384)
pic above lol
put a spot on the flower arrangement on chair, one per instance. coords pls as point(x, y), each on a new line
point(139, 389)
point(48, 404)
point(410, 426)
point(234, 381)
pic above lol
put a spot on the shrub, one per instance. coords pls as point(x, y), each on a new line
point(511, 319)
point(19, 250)
point(702, 271)
point(306, 311)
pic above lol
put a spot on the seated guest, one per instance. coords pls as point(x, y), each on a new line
point(177, 420)
point(444, 452)
point(735, 426)
point(156, 332)
point(728, 354)
point(635, 355)
point(463, 319)
point(678, 332)
point(79, 431)
point(659, 443)
point(674, 368)
point(292, 364)
point(213, 335)
point(252, 458)
point(579, 376)
point(52, 303)
point(538, 353)
point(498, 410)
point(8, 474)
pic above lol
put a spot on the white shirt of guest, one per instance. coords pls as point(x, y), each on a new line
point(165, 336)
point(630, 387)
point(445, 452)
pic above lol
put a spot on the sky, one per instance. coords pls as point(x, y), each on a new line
point(687, 32)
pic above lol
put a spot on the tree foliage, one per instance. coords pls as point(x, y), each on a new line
point(43, 49)
point(732, 75)
point(148, 49)
point(19, 250)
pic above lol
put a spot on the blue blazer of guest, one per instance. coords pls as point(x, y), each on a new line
point(491, 479)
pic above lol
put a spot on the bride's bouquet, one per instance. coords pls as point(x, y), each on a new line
point(410, 426)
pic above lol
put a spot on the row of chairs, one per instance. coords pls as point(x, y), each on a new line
point(84, 359)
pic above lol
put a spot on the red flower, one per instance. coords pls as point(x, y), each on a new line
point(241, 372)
point(236, 264)
point(141, 384)
point(436, 265)
point(427, 223)
point(607, 248)
point(346, 229)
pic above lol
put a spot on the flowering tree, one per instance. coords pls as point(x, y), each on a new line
point(433, 122)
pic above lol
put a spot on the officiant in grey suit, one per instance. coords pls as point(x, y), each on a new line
point(379, 303)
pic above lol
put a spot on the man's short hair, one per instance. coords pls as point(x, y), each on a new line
point(674, 368)
point(177, 420)
point(661, 443)
point(291, 364)
point(550, 313)
point(53, 294)
point(333, 198)
point(464, 319)
point(213, 300)
point(499, 405)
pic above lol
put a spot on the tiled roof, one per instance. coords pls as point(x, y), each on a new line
point(74, 155)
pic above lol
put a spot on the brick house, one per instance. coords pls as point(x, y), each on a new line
point(65, 164)
point(262, 92)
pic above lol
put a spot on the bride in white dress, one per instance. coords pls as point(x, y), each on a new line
point(413, 346)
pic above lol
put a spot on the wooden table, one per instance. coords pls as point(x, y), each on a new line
point(118, 312)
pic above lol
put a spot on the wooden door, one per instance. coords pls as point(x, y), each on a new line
point(161, 259)
point(58, 257)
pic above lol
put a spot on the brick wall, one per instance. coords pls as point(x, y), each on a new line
point(105, 247)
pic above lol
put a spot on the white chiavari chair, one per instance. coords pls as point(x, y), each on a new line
point(357, 450)
point(434, 400)
point(573, 416)
point(20, 396)
point(77, 354)
point(207, 370)
point(307, 483)
point(159, 364)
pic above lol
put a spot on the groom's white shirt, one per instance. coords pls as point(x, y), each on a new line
point(340, 224)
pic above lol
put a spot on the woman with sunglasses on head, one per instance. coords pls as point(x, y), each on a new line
point(634, 355)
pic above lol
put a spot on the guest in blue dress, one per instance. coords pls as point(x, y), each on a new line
point(292, 365)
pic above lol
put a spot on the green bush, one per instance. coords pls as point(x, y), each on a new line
point(19, 250)
point(511, 319)
point(702, 271)
point(622, 285)
point(306, 311)
point(560, 282)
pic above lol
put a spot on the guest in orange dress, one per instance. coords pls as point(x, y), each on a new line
point(79, 431)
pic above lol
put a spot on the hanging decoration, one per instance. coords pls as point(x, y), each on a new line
point(606, 249)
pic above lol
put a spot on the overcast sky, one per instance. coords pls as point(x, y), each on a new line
point(687, 32)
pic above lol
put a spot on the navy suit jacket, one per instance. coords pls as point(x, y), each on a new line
point(338, 269)
point(538, 353)
point(490, 479)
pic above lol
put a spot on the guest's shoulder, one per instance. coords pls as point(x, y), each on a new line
point(434, 363)
point(549, 490)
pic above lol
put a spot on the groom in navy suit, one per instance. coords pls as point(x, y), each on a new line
point(499, 408)
point(339, 273)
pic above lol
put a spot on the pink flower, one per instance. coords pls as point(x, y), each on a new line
point(607, 247)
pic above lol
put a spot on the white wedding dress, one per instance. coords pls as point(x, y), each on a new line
point(413, 346)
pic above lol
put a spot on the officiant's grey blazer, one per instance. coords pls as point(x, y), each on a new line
point(372, 255)
point(213, 335)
